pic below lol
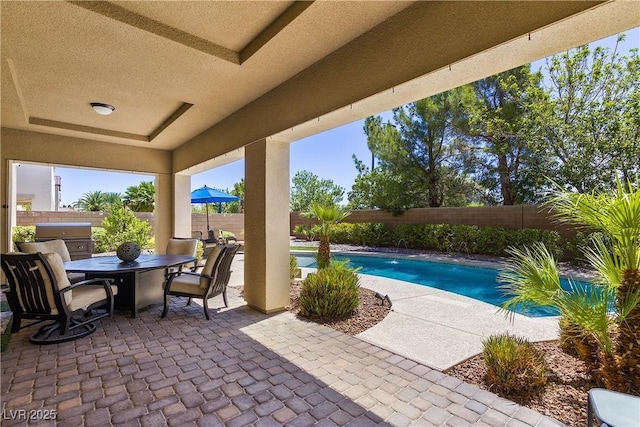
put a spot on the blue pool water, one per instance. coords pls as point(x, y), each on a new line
point(474, 282)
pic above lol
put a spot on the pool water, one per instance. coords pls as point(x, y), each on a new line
point(474, 282)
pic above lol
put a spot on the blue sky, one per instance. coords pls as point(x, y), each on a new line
point(327, 155)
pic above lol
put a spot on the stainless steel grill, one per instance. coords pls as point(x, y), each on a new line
point(76, 235)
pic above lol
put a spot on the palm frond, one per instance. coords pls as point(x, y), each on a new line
point(589, 308)
point(530, 278)
point(627, 304)
point(606, 264)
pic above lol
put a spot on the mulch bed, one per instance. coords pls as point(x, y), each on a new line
point(564, 397)
point(368, 313)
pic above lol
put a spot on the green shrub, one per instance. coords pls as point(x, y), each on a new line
point(332, 292)
point(342, 232)
point(364, 234)
point(294, 271)
point(551, 239)
point(309, 232)
point(24, 233)
point(200, 250)
point(574, 247)
point(407, 236)
point(513, 364)
point(121, 226)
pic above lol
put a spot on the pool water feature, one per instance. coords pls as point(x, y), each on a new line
point(475, 282)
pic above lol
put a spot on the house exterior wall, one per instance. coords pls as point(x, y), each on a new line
point(36, 185)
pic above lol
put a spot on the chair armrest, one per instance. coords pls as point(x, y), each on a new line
point(106, 284)
point(88, 282)
point(198, 274)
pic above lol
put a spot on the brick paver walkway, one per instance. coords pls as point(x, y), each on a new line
point(241, 368)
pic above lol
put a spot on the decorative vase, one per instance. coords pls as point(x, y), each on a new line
point(128, 251)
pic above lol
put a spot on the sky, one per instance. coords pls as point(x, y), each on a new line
point(327, 154)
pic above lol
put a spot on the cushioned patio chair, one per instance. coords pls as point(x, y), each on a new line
point(182, 246)
point(58, 246)
point(207, 245)
point(210, 282)
point(39, 289)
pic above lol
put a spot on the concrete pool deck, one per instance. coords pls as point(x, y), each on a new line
point(441, 329)
point(433, 327)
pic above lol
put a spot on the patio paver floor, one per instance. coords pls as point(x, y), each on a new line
point(241, 368)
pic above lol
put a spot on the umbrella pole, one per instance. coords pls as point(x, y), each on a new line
point(207, 208)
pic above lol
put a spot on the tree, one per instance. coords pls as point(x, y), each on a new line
point(308, 189)
point(416, 163)
point(141, 198)
point(495, 147)
point(93, 201)
point(328, 215)
point(237, 206)
point(533, 279)
point(590, 119)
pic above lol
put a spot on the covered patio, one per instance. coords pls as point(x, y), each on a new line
point(241, 368)
point(199, 84)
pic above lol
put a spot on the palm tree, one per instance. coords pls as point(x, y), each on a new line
point(93, 201)
point(328, 215)
point(141, 198)
point(532, 279)
point(112, 198)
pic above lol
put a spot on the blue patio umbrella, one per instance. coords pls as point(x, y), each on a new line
point(211, 195)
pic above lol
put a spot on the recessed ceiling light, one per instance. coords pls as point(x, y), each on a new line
point(104, 109)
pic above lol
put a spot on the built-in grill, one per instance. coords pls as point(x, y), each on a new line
point(76, 235)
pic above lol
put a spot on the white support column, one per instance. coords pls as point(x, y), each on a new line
point(163, 211)
point(172, 214)
point(182, 205)
point(266, 251)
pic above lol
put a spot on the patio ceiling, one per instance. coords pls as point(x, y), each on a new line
point(171, 69)
point(205, 78)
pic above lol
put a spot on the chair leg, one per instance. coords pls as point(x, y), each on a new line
point(205, 304)
point(15, 327)
point(189, 301)
point(224, 297)
point(166, 306)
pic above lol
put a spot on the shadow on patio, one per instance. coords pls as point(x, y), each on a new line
point(241, 368)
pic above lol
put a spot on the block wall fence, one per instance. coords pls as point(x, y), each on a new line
point(227, 222)
point(510, 217)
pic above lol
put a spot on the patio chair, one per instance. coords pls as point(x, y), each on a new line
point(58, 246)
point(230, 238)
point(182, 246)
point(612, 409)
point(39, 289)
point(210, 282)
point(207, 245)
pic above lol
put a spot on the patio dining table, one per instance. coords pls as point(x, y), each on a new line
point(139, 282)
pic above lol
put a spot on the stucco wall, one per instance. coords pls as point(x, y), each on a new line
point(227, 222)
point(510, 217)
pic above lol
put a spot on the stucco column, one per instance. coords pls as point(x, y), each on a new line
point(182, 205)
point(172, 214)
point(266, 225)
point(163, 211)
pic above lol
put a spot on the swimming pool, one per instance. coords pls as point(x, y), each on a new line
point(475, 282)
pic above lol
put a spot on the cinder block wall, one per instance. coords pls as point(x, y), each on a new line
point(227, 222)
point(223, 221)
point(509, 217)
